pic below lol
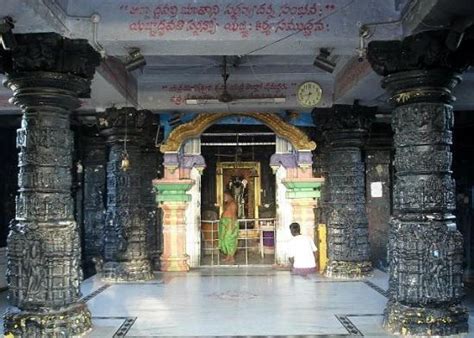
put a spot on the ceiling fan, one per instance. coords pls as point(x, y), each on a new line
point(226, 97)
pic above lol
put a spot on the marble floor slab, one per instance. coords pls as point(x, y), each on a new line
point(242, 301)
point(253, 301)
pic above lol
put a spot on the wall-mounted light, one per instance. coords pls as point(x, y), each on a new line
point(7, 39)
point(135, 60)
point(323, 61)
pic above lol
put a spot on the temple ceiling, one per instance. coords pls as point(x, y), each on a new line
point(271, 46)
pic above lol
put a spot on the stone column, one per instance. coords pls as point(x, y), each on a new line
point(172, 198)
point(149, 166)
point(344, 128)
point(320, 169)
point(94, 162)
point(425, 248)
point(125, 246)
point(48, 74)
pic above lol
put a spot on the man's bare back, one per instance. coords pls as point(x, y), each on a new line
point(230, 209)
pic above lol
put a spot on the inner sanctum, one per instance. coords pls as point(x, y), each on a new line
point(213, 168)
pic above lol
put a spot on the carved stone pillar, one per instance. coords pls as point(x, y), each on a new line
point(149, 166)
point(425, 248)
point(48, 74)
point(125, 246)
point(320, 169)
point(94, 163)
point(344, 128)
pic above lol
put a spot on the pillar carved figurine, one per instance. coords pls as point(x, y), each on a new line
point(94, 162)
point(425, 248)
point(48, 74)
point(125, 244)
point(344, 129)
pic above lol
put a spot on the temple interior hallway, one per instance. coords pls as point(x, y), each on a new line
point(231, 301)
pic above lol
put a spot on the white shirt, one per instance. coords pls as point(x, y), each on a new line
point(302, 249)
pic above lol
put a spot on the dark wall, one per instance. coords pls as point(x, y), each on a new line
point(463, 173)
point(8, 174)
point(378, 165)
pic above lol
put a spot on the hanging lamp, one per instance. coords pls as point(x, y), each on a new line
point(125, 164)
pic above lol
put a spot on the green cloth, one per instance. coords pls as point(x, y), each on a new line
point(228, 234)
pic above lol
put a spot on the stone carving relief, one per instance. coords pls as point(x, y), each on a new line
point(343, 129)
point(48, 74)
point(425, 248)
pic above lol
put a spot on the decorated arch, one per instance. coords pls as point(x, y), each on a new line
point(197, 126)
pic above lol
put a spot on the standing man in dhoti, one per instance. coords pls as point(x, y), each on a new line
point(228, 229)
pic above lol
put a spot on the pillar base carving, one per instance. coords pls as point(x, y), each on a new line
point(345, 269)
point(74, 320)
point(434, 321)
point(129, 271)
point(174, 264)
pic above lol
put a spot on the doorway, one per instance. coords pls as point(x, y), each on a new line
point(238, 160)
point(188, 196)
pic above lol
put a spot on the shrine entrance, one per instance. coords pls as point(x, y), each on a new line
point(237, 152)
point(265, 162)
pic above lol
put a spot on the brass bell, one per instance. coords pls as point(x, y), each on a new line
point(125, 165)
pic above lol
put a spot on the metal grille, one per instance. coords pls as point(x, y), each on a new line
point(256, 242)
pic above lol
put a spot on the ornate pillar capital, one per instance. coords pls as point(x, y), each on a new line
point(421, 67)
point(303, 188)
point(49, 60)
point(423, 51)
point(50, 52)
point(118, 123)
point(344, 125)
point(172, 190)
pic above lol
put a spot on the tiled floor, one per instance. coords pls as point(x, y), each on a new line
point(236, 301)
point(231, 301)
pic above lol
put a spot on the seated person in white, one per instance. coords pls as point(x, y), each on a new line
point(301, 252)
